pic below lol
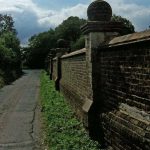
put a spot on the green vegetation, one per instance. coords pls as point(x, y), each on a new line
point(69, 30)
point(40, 45)
point(63, 131)
point(129, 27)
point(10, 57)
point(1, 79)
point(80, 43)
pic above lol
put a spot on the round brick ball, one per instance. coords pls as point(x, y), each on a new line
point(99, 10)
point(61, 43)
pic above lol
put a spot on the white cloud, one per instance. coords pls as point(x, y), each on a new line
point(30, 18)
point(56, 17)
point(137, 14)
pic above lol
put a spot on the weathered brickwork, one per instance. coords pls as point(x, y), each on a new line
point(54, 73)
point(74, 80)
point(121, 91)
point(108, 82)
point(124, 86)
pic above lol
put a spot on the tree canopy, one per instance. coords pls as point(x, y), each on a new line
point(40, 45)
point(10, 56)
point(69, 30)
point(6, 24)
point(129, 27)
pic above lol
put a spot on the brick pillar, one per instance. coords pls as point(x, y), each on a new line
point(51, 56)
point(98, 31)
point(59, 52)
point(50, 67)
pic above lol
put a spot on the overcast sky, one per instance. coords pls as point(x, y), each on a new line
point(34, 16)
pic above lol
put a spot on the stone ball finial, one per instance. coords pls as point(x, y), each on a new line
point(61, 43)
point(99, 10)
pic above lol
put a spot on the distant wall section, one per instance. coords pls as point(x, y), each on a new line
point(74, 80)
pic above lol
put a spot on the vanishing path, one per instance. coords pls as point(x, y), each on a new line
point(19, 119)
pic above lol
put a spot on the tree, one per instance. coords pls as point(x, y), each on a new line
point(10, 51)
point(6, 24)
point(70, 29)
point(10, 57)
point(8, 35)
point(39, 47)
point(129, 27)
point(79, 44)
point(44, 40)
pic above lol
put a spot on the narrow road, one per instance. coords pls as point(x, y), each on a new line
point(19, 115)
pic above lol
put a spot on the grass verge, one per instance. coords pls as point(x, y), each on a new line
point(62, 130)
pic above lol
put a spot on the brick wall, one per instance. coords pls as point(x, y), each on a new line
point(124, 94)
point(74, 79)
point(119, 104)
point(54, 73)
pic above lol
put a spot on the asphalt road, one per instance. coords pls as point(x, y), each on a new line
point(19, 113)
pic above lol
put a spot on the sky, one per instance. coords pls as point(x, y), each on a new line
point(35, 16)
